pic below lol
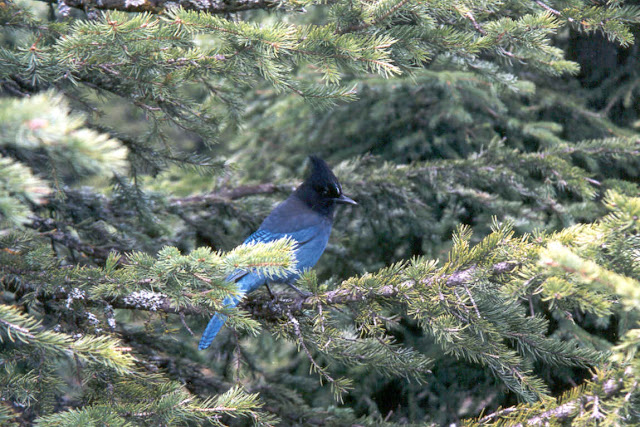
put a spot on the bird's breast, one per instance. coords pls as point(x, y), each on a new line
point(308, 251)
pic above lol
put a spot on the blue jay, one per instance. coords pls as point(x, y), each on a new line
point(306, 217)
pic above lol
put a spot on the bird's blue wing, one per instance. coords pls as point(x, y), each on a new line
point(301, 236)
point(310, 242)
point(264, 236)
point(249, 281)
point(236, 275)
point(240, 275)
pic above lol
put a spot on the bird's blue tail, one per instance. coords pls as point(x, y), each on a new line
point(216, 323)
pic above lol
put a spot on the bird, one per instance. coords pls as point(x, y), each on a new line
point(306, 217)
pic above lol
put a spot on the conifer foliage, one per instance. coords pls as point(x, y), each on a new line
point(489, 276)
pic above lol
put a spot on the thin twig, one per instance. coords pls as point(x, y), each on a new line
point(552, 10)
point(472, 300)
point(314, 364)
point(20, 329)
point(184, 323)
point(475, 24)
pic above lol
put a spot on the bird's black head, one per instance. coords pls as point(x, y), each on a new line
point(321, 190)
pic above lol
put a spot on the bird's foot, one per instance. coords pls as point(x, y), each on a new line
point(273, 297)
point(300, 291)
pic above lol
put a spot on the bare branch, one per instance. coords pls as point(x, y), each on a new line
point(266, 309)
point(145, 301)
point(259, 305)
point(225, 195)
point(159, 6)
point(560, 413)
point(58, 231)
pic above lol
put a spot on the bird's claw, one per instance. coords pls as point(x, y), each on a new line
point(300, 291)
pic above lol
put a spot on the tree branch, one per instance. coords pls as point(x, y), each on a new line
point(259, 305)
point(159, 6)
point(52, 229)
point(563, 412)
point(141, 300)
point(75, 200)
point(263, 308)
point(225, 195)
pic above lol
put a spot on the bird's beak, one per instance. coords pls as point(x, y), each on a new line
point(346, 200)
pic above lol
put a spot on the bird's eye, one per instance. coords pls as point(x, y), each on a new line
point(330, 191)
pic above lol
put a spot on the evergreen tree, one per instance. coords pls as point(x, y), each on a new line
point(491, 274)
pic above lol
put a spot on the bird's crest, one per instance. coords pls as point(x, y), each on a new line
point(322, 179)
